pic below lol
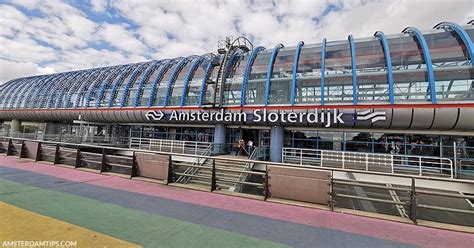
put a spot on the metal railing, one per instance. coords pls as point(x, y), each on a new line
point(69, 138)
point(405, 199)
point(174, 146)
point(389, 163)
point(243, 177)
point(122, 161)
point(197, 162)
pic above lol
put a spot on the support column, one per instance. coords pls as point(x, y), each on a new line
point(277, 137)
point(219, 138)
point(15, 126)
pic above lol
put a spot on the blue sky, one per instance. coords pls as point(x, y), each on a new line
point(38, 37)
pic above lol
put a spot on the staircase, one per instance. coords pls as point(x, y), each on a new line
point(222, 177)
point(227, 173)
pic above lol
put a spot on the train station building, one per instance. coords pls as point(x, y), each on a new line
point(410, 93)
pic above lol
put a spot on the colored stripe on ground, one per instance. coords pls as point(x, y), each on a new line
point(264, 228)
point(127, 224)
point(354, 224)
point(20, 225)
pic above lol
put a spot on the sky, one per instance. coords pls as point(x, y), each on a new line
point(48, 36)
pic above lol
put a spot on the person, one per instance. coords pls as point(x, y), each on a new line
point(240, 148)
point(249, 147)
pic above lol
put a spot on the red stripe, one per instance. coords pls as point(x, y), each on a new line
point(364, 106)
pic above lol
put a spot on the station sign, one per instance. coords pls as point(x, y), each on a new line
point(326, 117)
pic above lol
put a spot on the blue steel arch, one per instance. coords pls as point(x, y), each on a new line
point(55, 91)
point(77, 86)
point(427, 57)
point(115, 87)
point(203, 89)
point(93, 89)
point(61, 96)
point(37, 96)
point(21, 103)
point(275, 51)
point(13, 92)
point(46, 93)
point(388, 62)
point(21, 88)
point(189, 75)
point(106, 84)
point(323, 71)
point(144, 81)
point(248, 68)
point(231, 61)
point(124, 98)
point(354, 69)
point(158, 79)
point(82, 87)
point(7, 91)
point(462, 34)
point(174, 75)
point(55, 86)
point(295, 71)
point(33, 100)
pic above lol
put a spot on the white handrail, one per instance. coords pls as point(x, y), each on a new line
point(174, 146)
point(237, 187)
point(392, 163)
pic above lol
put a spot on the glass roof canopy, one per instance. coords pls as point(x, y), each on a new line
point(412, 67)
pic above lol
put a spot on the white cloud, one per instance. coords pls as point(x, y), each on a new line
point(60, 37)
point(99, 5)
point(10, 70)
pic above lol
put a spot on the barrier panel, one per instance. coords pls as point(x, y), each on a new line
point(30, 149)
point(153, 166)
point(299, 184)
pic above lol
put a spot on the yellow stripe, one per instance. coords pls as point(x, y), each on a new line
point(17, 224)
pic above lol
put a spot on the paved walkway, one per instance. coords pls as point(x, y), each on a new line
point(139, 213)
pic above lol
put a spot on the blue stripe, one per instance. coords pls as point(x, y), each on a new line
point(173, 77)
point(323, 70)
point(461, 34)
point(295, 71)
point(270, 72)
point(388, 62)
point(354, 69)
point(144, 80)
point(158, 79)
point(188, 77)
point(248, 68)
point(131, 81)
point(202, 91)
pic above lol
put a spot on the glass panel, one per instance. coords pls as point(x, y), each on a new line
point(178, 86)
point(162, 86)
point(358, 142)
point(451, 64)
point(134, 85)
point(372, 84)
point(280, 89)
point(194, 86)
point(257, 78)
point(308, 77)
point(148, 84)
point(119, 80)
point(338, 83)
point(233, 81)
point(409, 70)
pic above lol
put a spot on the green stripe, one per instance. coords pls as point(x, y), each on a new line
point(149, 230)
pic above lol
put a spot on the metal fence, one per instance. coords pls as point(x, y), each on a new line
point(389, 163)
point(406, 198)
point(174, 146)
